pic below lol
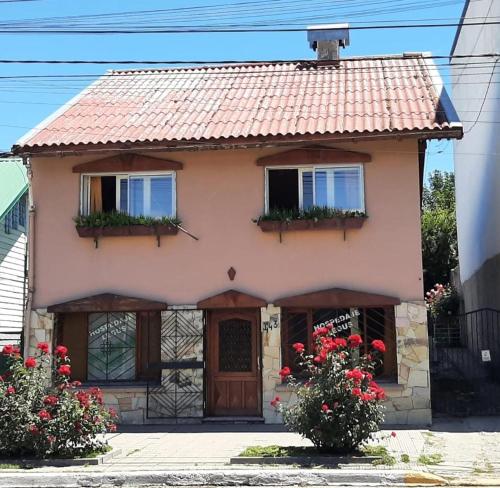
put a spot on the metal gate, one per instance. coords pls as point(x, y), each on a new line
point(180, 391)
point(465, 363)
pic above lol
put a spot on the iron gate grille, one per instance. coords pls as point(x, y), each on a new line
point(180, 392)
point(463, 381)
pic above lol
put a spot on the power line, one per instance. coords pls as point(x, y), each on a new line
point(233, 30)
point(305, 62)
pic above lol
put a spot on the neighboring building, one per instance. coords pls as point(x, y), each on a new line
point(175, 325)
point(476, 95)
point(13, 248)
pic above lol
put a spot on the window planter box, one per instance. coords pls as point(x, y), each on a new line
point(320, 224)
point(127, 230)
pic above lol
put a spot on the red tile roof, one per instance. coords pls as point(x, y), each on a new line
point(218, 103)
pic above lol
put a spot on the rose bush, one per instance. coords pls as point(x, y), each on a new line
point(340, 406)
point(40, 420)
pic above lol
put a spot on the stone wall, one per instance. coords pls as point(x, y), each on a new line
point(41, 329)
point(129, 403)
point(408, 400)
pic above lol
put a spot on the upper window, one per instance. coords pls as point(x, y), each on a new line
point(150, 195)
point(339, 187)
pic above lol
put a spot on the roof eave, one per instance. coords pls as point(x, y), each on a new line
point(454, 131)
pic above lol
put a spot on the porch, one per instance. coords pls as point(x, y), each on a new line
point(160, 364)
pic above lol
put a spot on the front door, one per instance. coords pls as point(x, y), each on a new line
point(233, 373)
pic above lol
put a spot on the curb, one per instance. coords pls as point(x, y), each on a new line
point(63, 462)
point(220, 477)
point(304, 460)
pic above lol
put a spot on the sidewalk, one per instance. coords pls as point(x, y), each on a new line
point(469, 448)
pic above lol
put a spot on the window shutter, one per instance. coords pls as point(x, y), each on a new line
point(73, 334)
point(149, 340)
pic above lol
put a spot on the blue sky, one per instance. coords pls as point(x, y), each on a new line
point(25, 103)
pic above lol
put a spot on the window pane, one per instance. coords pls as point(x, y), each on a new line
point(283, 189)
point(136, 196)
point(296, 331)
point(307, 190)
point(324, 188)
point(123, 195)
point(111, 346)
point(161, 196)
point(340, 318)
point(348, 188)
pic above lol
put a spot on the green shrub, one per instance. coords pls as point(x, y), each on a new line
point(312, 213)
point(39, 420)
point(339, 407)
point(116, 219)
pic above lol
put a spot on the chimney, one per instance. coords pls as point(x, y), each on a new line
point(327, 39)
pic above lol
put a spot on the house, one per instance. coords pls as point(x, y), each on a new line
point(13, 248)
point(477, 194)
point(222, 213)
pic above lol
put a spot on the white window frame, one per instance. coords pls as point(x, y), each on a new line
point(304, 169)
point(85, 189)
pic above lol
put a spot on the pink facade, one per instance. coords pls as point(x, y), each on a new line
point(218, 195)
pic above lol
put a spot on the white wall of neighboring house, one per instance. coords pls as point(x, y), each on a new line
point(12, 281)
point(476, 96)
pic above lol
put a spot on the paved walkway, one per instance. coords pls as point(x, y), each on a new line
point(469, 448)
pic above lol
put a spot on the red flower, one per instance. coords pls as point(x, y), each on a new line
point(285, 372)
point(378, 345)
point(61, 351)
point(44, 415)
point(356, 391)
point(97, 394)
point(64, 370)
point(50, 400)
point(275, 402)
point(321, 358)
point(51, 438)
point(30, 362)
point(34, 429)
point(10, 390)
point(319, 332)
point(8, 349)
point(112, 427)
point(83, 398)
point(299, 347)
point(366, 397)
point(76, 384)
point(354, 374)
point(325, 408)
point(354, 341)
point(336, 405)
point(43, 346)
point(393, 434)
point(340, 342)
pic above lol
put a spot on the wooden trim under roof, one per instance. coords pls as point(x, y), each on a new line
point(107, 302)
point(125, 163)
point(337, 298)
point(313, 155)
point(231, 299)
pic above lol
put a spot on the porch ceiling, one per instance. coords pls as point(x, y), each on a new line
point(107, 302)
point(337, 298)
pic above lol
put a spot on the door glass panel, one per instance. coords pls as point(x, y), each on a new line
point(235, 346)
point(111, 346)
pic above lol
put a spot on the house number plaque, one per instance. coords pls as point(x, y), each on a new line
point(272, 323)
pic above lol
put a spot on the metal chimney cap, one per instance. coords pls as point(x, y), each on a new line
point(328, 32)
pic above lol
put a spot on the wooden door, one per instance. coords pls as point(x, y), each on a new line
point(233, 372)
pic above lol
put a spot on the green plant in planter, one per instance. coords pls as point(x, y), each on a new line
point(41, 421)
point(312, 213)
point(117, 219)
point(339, 407)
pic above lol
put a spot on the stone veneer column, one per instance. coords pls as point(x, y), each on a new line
point(41, 329)
point(409, 401)
point(271, 364)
